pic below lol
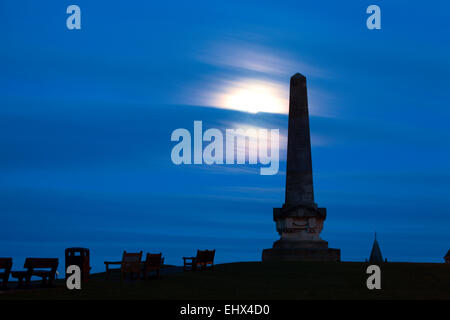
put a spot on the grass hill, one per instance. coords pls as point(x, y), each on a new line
point(269, 280)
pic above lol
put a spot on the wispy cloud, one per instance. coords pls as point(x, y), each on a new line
point(251, 78)
point(247, 56)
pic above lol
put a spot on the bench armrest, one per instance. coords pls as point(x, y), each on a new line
point(189, 258)
point(18, 272)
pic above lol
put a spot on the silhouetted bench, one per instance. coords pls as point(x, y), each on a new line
point(204, 259)
point(152, 263)
point(34, 267)
point(131, 263)
point(5, 264)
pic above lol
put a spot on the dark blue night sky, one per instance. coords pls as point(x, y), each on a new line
point(86, 118)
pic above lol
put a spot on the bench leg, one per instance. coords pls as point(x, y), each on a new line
point(48, 281)
point(28, 281)
point(20, 282)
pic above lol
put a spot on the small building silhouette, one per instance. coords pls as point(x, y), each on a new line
point(375, 254)
point(447, 257)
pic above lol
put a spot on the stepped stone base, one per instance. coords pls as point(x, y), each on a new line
point(301, 251)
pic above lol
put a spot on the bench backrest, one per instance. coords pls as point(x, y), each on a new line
point(128, 257)
point(205, 256)
point(41, 263)
point(131, 261)
point(6, 263)
point(153, 259)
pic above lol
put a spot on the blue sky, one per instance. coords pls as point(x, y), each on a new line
point(86, 117)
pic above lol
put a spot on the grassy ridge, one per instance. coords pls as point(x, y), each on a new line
point(270, 280)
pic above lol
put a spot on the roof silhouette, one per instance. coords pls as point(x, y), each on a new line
point(375, 254)
point(447, 255)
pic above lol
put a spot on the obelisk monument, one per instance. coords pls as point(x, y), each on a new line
point(299, 221)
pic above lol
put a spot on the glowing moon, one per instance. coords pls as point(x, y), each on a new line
point(253, 96)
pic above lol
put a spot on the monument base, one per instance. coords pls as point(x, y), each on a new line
point(301, 244)
point(301, 251)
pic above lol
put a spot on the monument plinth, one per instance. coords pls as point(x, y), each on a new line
point(299, 221)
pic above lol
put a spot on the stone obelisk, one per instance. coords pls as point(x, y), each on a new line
point(299, 221)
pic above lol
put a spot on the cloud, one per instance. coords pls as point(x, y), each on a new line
point(250, 77)
point(247, 56)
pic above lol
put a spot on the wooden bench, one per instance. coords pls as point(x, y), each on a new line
point(152, 263)
point(131, 263)
point(34, 267)
point(204, 259)
point(5, 264)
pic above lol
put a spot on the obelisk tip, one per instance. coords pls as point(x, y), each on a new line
point(298, 76)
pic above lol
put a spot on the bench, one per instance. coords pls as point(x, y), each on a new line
point(152, 263)
point(131, 263)
point(204, 259)
point(5, 264)
point(35, 267)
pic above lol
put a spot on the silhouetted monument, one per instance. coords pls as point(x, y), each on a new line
point(299, 221)
point(375, 254)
